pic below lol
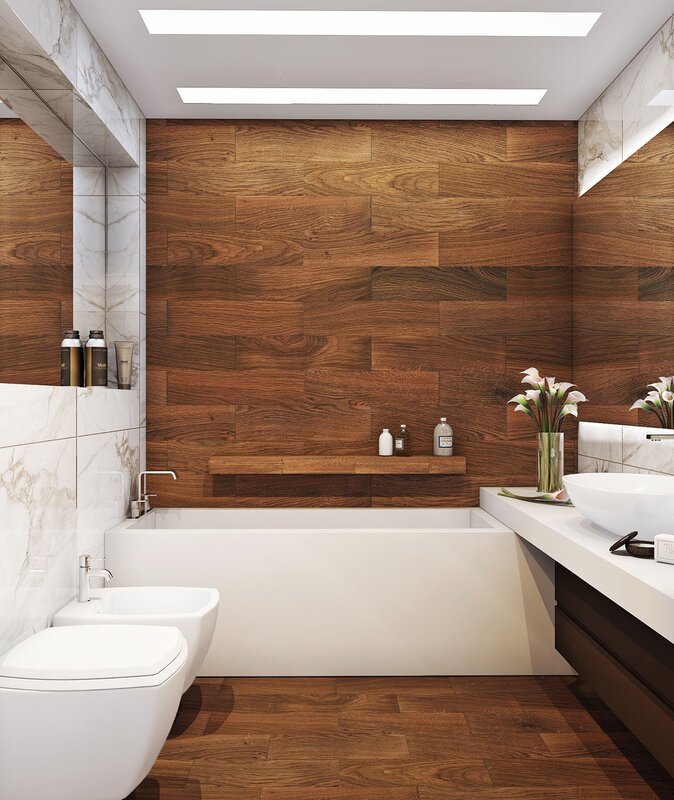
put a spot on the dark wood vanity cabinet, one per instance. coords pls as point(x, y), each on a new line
point(628, 664)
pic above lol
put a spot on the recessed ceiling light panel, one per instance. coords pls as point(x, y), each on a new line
point(359, 96)
point(222, 22)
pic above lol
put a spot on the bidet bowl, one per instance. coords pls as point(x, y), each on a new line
point(193, 610)
point(624, 502)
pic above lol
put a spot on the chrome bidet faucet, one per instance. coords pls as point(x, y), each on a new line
point(85, 573)
point(142, 504)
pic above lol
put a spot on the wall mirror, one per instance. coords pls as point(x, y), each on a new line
point(47, 266)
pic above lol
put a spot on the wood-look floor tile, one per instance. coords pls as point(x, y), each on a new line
point(451, 773)
point(343, 793)
point(251, 723)
point(357, 721)
point(280, 772)
point(457, 703)
point(393, 685)
point(337, 703)
point(218, 748)
point(553, 771)
point(338, 745)
point(518, 721)
point(427, 746)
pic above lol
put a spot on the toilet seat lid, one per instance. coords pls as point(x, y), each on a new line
point(86, 652)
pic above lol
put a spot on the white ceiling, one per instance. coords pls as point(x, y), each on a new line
point(574, 70)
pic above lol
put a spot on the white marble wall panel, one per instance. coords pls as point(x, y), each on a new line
point(123, 274)
point(37, 536)
point(622, 120)
point(89, 254)
point(107, 468)
point(69, 457)
point(623, 448)
point(101, 410)
point(30, 414)
point(47, 42)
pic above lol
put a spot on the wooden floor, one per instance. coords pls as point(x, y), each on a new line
point(400, 739)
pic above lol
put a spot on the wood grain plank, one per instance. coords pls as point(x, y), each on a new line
point(376, 318)
point(338, 745)
point(219, 178)
point(457, 353)
point(605, 232)
point(190, 141)
point(194, 281)
point(444, 214)
point(457, 142)
point(303, 284)
point(396, 249)
point(228, 318)
point(293, 141)
point(303, 491)
point(298, 352)
point(191, 213)
point(554, 142)
point(232, 387)
point(210, 426)
point(236, 248)
point(306, 216)
point(406, 179)
point(371, 387)
point(439, 283)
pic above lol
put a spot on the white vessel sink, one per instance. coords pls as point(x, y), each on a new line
point(622, 502)
point(192, 610)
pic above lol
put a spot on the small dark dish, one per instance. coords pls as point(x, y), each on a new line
point(639, 548)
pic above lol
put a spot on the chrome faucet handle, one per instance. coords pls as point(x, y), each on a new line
point(87, 561)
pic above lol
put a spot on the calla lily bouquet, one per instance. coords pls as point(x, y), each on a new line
point(660, 401)
point(547, 403)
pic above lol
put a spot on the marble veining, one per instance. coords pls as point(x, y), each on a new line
point(31, 414)
point(38, 533)
point(621, 120)
point(623, 448)
point(69, 457)
point(107, 468)
point(101, 410)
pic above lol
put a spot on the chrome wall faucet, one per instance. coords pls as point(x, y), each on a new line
point(141, 505)
point(85, 573)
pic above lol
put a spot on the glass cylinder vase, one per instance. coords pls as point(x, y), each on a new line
point(550, 462)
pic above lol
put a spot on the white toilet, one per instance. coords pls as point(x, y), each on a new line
point(85, 710)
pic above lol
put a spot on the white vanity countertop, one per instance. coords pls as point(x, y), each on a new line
point(642, 587)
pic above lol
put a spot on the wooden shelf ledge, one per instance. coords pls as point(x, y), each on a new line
point(337, 465)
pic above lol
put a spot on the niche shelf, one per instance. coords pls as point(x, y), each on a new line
point(337, 465)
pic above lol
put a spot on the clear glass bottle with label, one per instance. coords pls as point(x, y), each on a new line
point(443, 439)
point(401, 442)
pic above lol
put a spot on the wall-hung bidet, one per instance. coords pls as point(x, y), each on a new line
point(193, 610)
point(84, 711)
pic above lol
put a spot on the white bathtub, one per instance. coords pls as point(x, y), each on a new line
point(352, 591)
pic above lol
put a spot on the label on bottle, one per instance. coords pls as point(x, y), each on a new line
point(71, 366)
point(445, 441)
point(97, 366)
point(400, 444)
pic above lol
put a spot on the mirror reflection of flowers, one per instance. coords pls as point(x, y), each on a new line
point(547, 403)
point(660, 401)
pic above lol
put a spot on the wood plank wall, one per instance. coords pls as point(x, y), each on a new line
point(36, 255)
point(312, 282)
point(624, 283)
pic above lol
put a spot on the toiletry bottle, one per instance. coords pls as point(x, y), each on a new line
point(72, 371)
point(385, 443)
point(124, 354)
point(443, 439)
point(401, 445)
point(96, 360)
